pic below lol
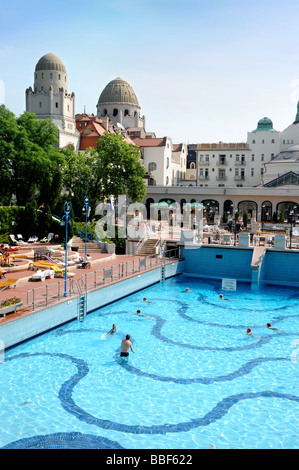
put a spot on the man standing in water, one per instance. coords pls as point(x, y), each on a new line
point(125, 346)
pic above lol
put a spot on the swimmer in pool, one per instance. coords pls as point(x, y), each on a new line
point(223, 298)
point(125, 346)
point(187, 290)
point(112, 331)
point(145, 300)
point(270, 327)
point(248, 332)
point(137, 313)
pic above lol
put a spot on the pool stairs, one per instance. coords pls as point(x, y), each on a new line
point(256, 265)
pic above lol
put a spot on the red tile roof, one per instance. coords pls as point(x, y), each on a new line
point(150, 142)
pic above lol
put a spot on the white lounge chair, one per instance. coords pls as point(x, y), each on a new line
point(226, 239)
point(42, 275)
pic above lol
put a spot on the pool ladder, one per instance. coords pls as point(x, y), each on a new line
point(82, 304)
point(162, 273)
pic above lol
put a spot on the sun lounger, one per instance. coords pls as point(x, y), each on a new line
point(7, 284)
point(42, 275)
point(41, 264)
point(32, 239)
point(13, 239)
point(60, 272)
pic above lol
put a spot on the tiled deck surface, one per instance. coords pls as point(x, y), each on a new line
point(25, 284)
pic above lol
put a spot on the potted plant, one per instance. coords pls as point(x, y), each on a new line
point(10, 305)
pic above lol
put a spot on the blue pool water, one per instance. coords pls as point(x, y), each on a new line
point(194, 382)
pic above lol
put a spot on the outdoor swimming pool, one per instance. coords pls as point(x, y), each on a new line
point(194, 382)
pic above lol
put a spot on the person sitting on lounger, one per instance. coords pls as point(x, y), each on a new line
point(6, 257)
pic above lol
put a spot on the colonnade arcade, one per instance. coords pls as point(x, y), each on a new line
point(266, 211)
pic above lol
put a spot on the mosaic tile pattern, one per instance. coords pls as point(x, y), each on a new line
point(82, 441)
point(71, 440)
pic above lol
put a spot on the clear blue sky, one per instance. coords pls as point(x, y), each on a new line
point(202, 70)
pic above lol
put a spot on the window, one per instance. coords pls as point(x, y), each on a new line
point(206, 173)
point(42, 74)
point(68, 107)
point(167, 179)
point(115, 112)
point(59, 76)
point(252, 158)
point(56, 104)
point(237, 158)
point(192, 166)
point(262, 157)
point(222, 159)
point(207, 158)
point(40, 104)
point(126, 113)
point(236, 171)
point(263, 141)
point(167, 162)
point(252, 171)
point(201, 172)
point(221, 175)
point(253, 141)
point(51, 75)
point(272, 141)
point(152, 166)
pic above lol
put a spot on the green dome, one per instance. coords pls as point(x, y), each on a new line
point(264, 124)
point(118, 91)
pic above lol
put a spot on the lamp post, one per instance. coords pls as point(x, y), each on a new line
point(67, 210)
point(87, 210)
point(292, 213)
point(263, 216)
point(234, 213)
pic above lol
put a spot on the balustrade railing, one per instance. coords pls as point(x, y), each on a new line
point(44, 296)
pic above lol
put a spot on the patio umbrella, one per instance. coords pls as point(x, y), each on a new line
point(162, 204)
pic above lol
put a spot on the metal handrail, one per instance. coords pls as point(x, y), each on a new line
point(53, 293)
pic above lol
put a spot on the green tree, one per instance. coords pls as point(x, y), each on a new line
point(30, 164)
point(77, 177)
point(117, 169)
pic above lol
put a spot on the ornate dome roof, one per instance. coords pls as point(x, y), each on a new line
point(118, 91)
point(50, 62)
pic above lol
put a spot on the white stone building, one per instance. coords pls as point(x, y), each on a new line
point(49, 98)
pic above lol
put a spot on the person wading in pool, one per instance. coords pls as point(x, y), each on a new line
point(112, 331)
point(125, 346)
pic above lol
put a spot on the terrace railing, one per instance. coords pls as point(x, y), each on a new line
point(49, 294)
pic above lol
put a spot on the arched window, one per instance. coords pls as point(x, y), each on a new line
point(152, 182)
point(152, 166)
point(104, 112)
point(192, 166)
point(115, 112)
point(126, 113)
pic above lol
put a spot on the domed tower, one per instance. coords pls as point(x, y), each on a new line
point(49, 98)
point(119, 102)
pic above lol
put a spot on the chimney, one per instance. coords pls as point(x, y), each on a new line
point(105, 122)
